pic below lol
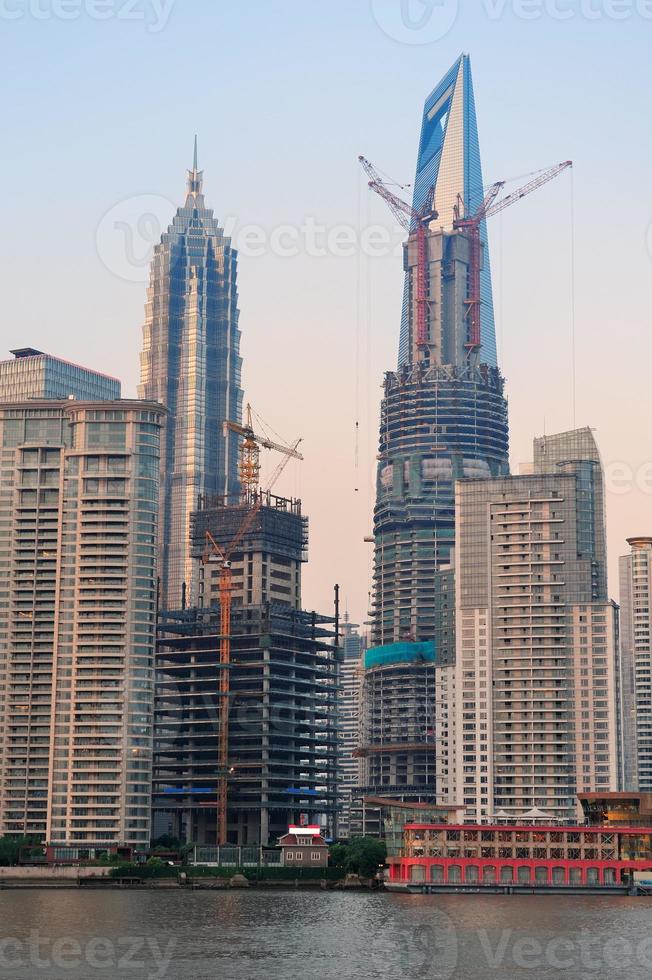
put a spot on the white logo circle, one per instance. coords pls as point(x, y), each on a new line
point(415, 21)
point(128, 232)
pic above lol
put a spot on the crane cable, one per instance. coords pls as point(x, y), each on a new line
point(572, 297)
point(358, 276)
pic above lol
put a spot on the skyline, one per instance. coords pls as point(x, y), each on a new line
point(317, 177)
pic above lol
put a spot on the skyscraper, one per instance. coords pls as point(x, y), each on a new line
point(636, 672)
point(78, 539)
point(443, 417)
point(191, 364)
point(449, 168)
point(537, 637)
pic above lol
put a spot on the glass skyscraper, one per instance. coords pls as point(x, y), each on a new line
point(443, 418)
point(33, 374)
point(191, 364)
point(448, 160)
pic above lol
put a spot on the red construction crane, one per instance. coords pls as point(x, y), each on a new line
point(253, 499)
point(411, 220)
point(471, 226)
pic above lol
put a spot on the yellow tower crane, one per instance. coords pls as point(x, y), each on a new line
point(214, 552)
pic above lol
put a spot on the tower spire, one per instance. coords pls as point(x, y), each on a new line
point(195, 175)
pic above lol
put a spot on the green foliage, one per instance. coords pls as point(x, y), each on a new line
point(155, 862)
point(10, 848)
point(158, 869)
point(338, 854)
point(362, 856)
point(166, 842)
point(154, 870)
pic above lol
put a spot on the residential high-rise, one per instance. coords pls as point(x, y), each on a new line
point(191, 364)
point(537, 638)
point(636, 666)
point(443, 418)
point(78, 541)
point(349, 722)
point(33, 374)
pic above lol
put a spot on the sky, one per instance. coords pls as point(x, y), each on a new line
point(100, 103)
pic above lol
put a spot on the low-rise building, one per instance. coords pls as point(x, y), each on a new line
point(444, 856)
point(304, 847)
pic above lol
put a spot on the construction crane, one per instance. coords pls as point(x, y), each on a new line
point(222, 554)
point(416, 221)
point(471, 226)
point(249, 463)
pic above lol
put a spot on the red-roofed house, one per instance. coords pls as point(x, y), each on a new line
point(304, 847)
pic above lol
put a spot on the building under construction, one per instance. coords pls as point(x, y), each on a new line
point(267, 567)
point(278, 766)
point(443, 419)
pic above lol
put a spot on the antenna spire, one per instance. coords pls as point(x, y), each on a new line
point(195, 175)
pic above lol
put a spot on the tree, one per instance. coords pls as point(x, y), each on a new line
point(366, 855)
point(362, 856)
point(338, 854)
point(166, 842)
point(10, 848)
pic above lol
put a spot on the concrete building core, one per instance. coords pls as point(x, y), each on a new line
point(267, 565)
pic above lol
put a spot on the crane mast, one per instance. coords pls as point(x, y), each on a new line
point(253, 498)
point(417, 222)
point(471, 226)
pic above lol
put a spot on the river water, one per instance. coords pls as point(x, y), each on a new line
point(283, 935)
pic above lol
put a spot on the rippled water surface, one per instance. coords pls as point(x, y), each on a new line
point(273, 935)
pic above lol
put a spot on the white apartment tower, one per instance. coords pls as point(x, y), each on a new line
point(536, 637)
point(635, 636)
point(78, 539)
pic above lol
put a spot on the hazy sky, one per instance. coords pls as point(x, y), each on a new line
point(101, 99)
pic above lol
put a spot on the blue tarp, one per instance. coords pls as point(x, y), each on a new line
point(400, 653)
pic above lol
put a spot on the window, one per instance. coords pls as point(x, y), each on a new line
point(314, 855)
point(289, 855)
